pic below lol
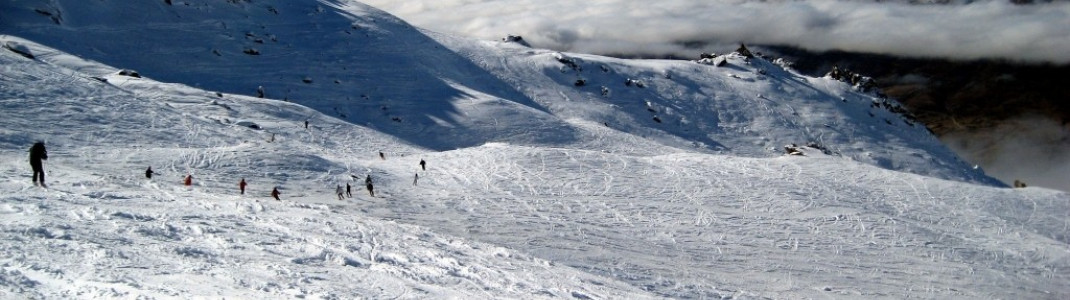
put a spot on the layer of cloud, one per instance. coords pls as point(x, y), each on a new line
point(1030, 148)
point(994, 29)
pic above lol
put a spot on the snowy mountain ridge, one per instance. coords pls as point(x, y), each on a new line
point(550, 175)
point(354, 62)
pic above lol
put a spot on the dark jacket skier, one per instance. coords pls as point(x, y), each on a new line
point(368, 185)
point(241, 185)
point(149, 172)
point(37, 154)
point(275, 193)
point(349, 190)
point(423, 165)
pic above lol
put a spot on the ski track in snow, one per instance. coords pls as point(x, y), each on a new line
point(535, 188)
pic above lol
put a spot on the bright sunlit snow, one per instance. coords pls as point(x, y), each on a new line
point(548, 175)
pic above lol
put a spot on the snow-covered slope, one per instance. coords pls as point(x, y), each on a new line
point(354, 62)
point(535, 188)
point(345, 59)
point(103, 231)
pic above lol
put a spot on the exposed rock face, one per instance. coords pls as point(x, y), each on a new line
point(954, 96)
point(1011, 119)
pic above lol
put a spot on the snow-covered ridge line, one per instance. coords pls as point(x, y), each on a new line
point(436, 91)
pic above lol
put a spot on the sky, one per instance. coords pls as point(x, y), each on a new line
point(985, 29)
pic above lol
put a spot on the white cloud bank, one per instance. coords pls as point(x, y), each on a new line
point(995, 29)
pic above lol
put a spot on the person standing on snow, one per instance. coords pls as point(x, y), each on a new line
point(188, 181)
point(349, 191)
point(275, 193)
point(423, 165)
point(241, 185)
point(37, 154)
point(415, 178)
point(149, 172)
point(340, 192)
point(368, 185)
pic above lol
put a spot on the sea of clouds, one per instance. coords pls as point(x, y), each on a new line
point(1032, 149)
point(983, 29)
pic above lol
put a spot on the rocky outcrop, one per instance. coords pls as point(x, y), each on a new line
point(950, 96)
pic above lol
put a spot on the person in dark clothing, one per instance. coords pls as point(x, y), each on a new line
point(349, 191)
point(275, 193)
point(306, 124)
point(368, 185)
point(37, 154)
point(423, 165)
point(149, 172)
point(241, 185)
point(188, 181)
point(381, 155)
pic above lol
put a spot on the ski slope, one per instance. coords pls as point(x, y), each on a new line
point(536, 188)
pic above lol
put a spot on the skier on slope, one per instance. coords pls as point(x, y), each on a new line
point(368, 185)
point(340, 192)
point(37, 154)
point(423, 165)
point(349, 191)
point(241, 185)
point(188, 181)
point(275, 193)
point(149, 172)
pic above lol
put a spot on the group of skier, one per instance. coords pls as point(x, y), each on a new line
point(38, 154)
point(188, 181)
point(348, 192)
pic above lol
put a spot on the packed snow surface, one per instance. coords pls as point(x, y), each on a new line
point(548, 175)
